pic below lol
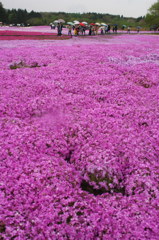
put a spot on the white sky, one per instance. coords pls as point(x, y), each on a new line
point(127, 8)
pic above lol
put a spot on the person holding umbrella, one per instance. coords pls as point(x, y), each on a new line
point(59, 26)
point(82, 28)
point(97, 25)
point(76, 30)
point(90, 30)
point(70, 30)
point(138, 29)
point(102, 30)
point(128, 30)
point(59, 29)
point(115, 28)
point(123, 27)
point(76, 27)
point(70, 24)
point(108, 28)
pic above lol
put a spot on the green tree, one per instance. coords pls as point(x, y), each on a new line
point(152, 17)
point(22, 16)
point(33, 14)
point(3, 14)
point(12, 17)
point(35, 21)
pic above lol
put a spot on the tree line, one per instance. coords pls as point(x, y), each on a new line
point(20, 16)
point(152, 17)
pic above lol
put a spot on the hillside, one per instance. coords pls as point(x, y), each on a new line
point(93, 17)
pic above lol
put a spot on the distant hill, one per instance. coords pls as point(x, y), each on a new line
point(20, 16)
point(93, 17)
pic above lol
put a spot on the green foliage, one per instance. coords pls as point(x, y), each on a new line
point(33, 14)
point(20, 16)
point(12, 17)
point(35, 21)
point(93, 17)
point(3, 13)
point(152, 17)
point(139, 19)
point(154, 9)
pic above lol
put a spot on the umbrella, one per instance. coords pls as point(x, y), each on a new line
point(98, 24)
point(93, 24)
point(85, 23)
point(76, 22)
point(61, 21)
point(103, 24)
point(70, 23)
point(82, 24)
point(56, 21)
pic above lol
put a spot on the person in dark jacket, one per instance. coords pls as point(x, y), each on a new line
point(59, 29)
point(90, 30)
point(108, 29)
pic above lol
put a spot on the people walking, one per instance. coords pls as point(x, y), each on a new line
point(108, 29)
point(138, 29)
point(70, 30)
point(129, 29)
point(84, 30)
point(116, 28)
point(101, 30)
point(90, 30)
point(59, 29)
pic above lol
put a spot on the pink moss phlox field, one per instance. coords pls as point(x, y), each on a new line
point(7, 32)
point(79, 139)
point(33, 33)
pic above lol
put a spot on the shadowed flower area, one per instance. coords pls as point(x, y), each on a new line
point(79, 138)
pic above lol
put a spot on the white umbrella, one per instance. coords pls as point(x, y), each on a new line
point(70, 23)
point(85, 23)
point(56, 21)
point(76, 22)
point(103, 24)
point(98, 24)
point(61, 21)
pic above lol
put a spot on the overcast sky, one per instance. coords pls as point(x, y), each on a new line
point(127, 8)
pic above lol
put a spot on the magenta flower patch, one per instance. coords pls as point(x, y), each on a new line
point(79, 138)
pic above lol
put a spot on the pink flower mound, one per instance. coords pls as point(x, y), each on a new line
point(22, 33)
point(33, 33)
point(79, 139)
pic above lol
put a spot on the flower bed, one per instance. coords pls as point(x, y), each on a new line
point(23, 35)
point(79, 138)
point(35, 37)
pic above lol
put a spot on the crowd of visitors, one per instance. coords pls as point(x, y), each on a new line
point(79, 28)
